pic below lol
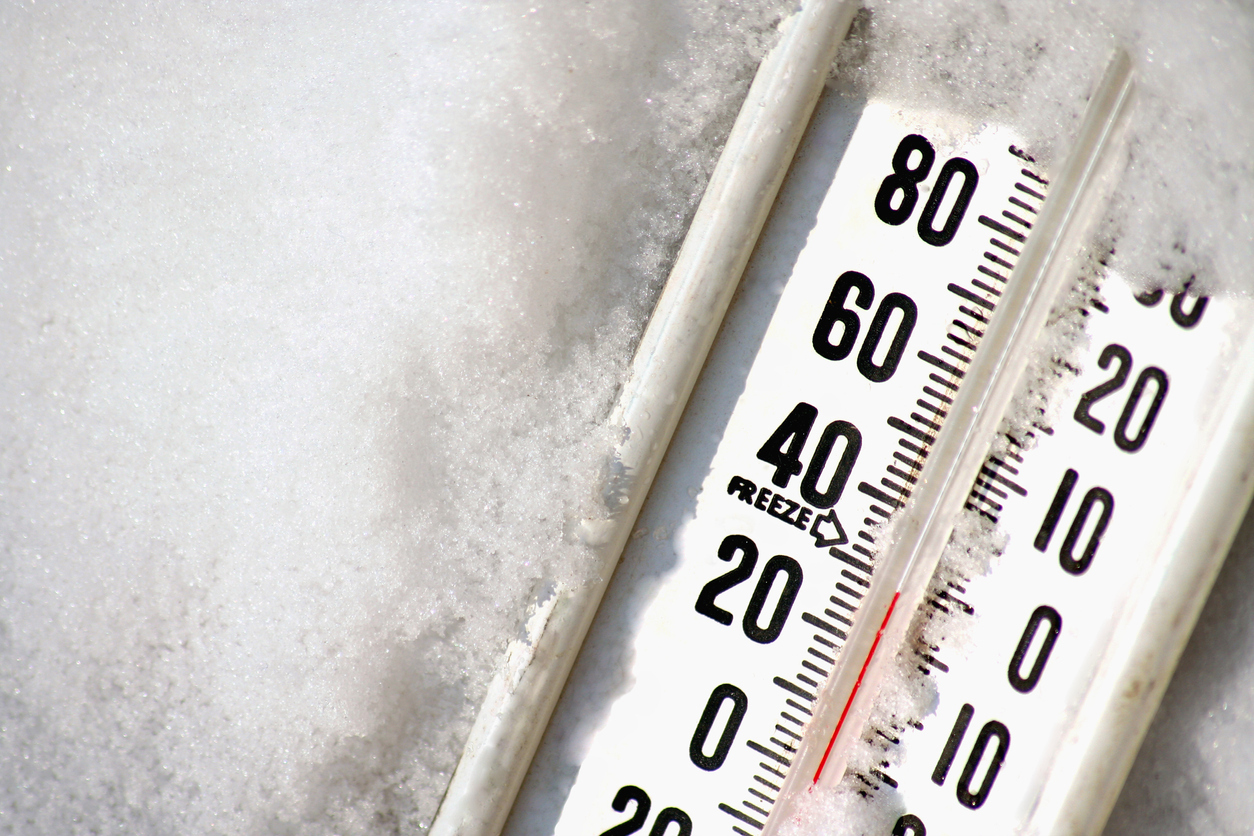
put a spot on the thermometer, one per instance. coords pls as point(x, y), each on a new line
point(939, 515)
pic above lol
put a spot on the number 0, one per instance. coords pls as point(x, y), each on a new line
point(696, 748)
point(909, 825)
point(1044, 614)
point(1066, 557)
point(780, 563)
point(1125, 442)
point(941, 237)
point(879, 372)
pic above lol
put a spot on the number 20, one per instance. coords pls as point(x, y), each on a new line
point(780, 564)
point(631, 793)
point(1123, 367)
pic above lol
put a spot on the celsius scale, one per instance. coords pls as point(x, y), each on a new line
point(939, 517)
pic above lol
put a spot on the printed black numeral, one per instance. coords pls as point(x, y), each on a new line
point(1132, 443)
point(795, 430)
point(1082, 411)
point(959, 731)
point(739, 705)
point(731, 545)
point(1066, 555)
point(906, 180)
point(791, 570)
point(784, 447)
point(1094, 497)
point(941, 237)
point(624, 796)
point(668, 815)
point(848, 455)
point(834, 311)
point(1185, 319)
point(780, 564)
point(909, 825)
point(1129, 443)
point(1024, 683)
point(893, 307)
point(993, 730)
point(886, 367)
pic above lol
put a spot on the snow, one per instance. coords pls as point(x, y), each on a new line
point(310, 313)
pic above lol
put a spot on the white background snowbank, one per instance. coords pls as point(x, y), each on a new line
point(308, 314)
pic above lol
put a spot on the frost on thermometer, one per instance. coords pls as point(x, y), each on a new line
point(838, 365)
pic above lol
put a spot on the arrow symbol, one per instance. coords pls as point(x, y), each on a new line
point(820, 539)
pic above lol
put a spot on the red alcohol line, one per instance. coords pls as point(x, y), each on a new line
point(866, 662)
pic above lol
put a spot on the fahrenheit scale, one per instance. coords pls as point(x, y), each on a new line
point(909, 566)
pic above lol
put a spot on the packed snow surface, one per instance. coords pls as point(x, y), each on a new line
point(310, 314)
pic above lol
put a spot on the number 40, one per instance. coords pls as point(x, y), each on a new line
point(783, 449)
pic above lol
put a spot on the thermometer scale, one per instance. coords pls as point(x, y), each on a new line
point(791, 557)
